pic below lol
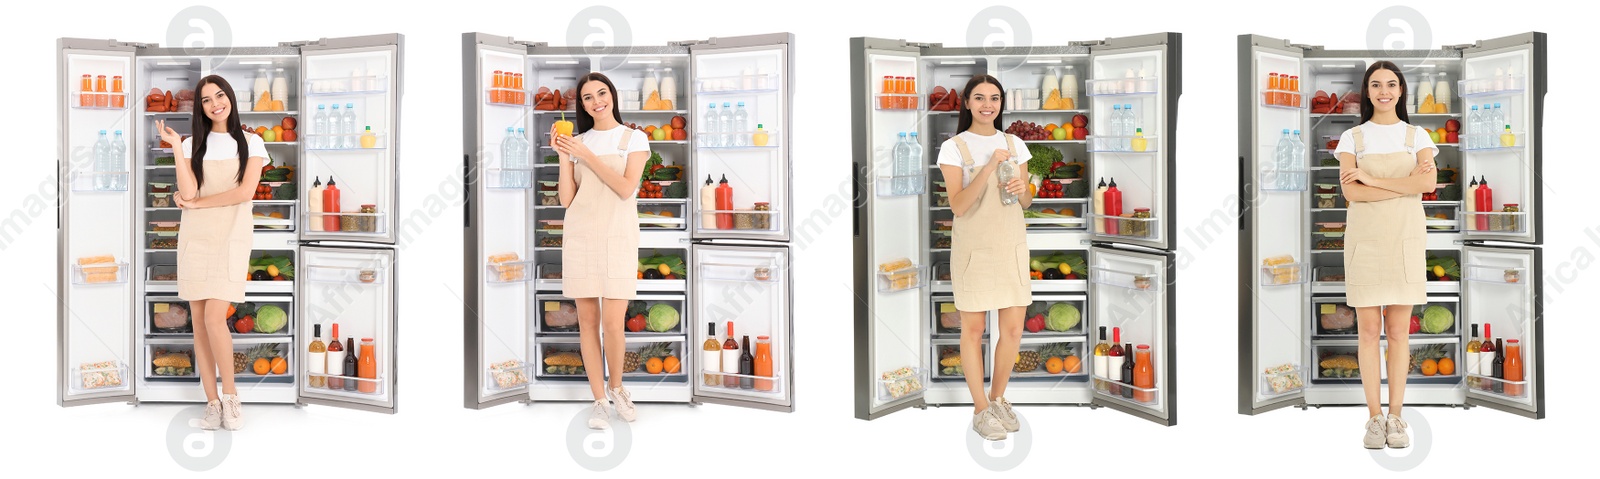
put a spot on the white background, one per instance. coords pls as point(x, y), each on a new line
point(433, 429)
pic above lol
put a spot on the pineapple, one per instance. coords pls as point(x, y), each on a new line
point(1027, 361)
point(1423, 353)
point(1056, 350)
point(240, 362)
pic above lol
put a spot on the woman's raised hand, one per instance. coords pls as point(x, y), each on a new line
point(168, 134)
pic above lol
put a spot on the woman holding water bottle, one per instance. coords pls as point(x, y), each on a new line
point(1385, 165)
point(986, 179)
point(600, 171)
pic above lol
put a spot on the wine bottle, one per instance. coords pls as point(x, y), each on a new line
point(747, 366)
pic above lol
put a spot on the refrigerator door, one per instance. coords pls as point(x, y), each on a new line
point(752, 287)
point(363, 73)
point(756, 70)
point(1274, 222)
point(95, 318)
point(889, 353)
point(500, 266)
point(1144, 72)
point(355, 287)
point(1508, 71)
point(1503, 288)
point(1134, 291)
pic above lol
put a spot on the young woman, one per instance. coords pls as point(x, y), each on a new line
point(1385, 164)
point(600, 171)
point(217, 171)
point(989, 247)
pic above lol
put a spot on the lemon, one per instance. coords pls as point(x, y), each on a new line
point(272, 270)
point(1438, 271)
point(664, 269)
point(1065, 268)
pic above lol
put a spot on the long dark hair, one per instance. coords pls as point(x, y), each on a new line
point(200, 129)
point(1366, 103)
point(586, 122)
point(965, 120)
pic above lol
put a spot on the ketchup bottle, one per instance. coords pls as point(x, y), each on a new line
point(724, 203)
point(1113, 206)
point(1485, 203)
point(330, 204)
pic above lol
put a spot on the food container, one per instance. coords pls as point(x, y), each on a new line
point(549, 200)
point(1513, 276)
point(160, 187)
point(763, 220)
point(1327, 201)
point(161, 200)
point(164, 226)
point(763, 274)
point(1142, 281)
point(744, 221)
point(900, 383)
point(1282, 379)
point(1327, 188)
point(369, 223)
point(1330, 227)
point(1509, 223)
point(368, 276)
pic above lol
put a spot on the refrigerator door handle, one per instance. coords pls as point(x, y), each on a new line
point(466, 190)
point(1244, 197)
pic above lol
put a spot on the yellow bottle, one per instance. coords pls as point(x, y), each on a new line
point(1138, 142)
point(1507, 139)
point(368, 140)
point(760, 136)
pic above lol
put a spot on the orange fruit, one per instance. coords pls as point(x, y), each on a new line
point(279, 366)
point(1048, 211)
point(649, 129)
point(1072, 365)
point(1429, 367)
point(1050, 128)
point(1446, 366)
point(1053, 365)
point(666, 214)
point(261, 367)
point(671, 365)
point(654, 366)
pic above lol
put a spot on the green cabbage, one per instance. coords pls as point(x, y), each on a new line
point(270, 319)
point(1436, 319)
point(1062, 317)
point(661, 318)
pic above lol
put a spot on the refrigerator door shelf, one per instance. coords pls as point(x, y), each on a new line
point(1282, 381)
point(344, 274)
point(1114, 87)
point(738, 84)
point(901, 383)
point(1127, 227)
point(1498, 221)
point(508, 376)
point(1284, 274)
point(904, 185)
point(99, 274)
point(1122, 145)
point(352, 224)
point(1492, 386)
point(505, 97)
point(771, 143)
point(514, 271)
point(1143, 397)
point(774, 390)
point(365, 388)
point(346, 86)
point(1506, 85)
point(914, 277)
point(1283, 180)
point(99, 182)
point(1499, 141)
point(100, 377)
point(99, 101)
point(1511, 276)
point(1285, 99)
point(380, 140)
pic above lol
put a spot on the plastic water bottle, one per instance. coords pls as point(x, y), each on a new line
point(1130, 125)
point(319, 127)
point(524, 159)
point(709, 126)
point(1498, 122)
point(1115, 122)
point(348, 129)
point(1280, 159)
point(119, 163)
point(508, 159)
point(901, 155)
point(914, 184)
point(1474, 128)
point(726, 124)
point(1005, 172)
point(335, 127)
point(102, 162)
point(1296, 164)
point(741, 127)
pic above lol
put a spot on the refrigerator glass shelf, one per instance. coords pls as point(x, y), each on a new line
point(1496, 142)
point(915, 277)
point(1498, 221)
point(1323, 275)
point(1283, 99)
point(901, 383)
point(1510, 389)
point(101, 376)
point(351, 85)
point(907, 185)
point(897, 101)
point(1111, 87)
point(1115, 144)
point(507, 375)
point(1122, 279)
point(342, 274)
point(241, 113)
point(1496, 274)
point(99, 100)
point(376, 384)
point(367, 223)
point(661, 222)
point(1283, 180)
point(1076, 223)
point(95, 274)
point(737, 84)
point(1504, 85)
point(356, 138)
point(654, 112)
point(1153, 400)
point(99, 182)
point(1059, 285)
point(1283, 274)
point(509, 272)
point(1032, 112)
point(1284, 382)
point(1048, 201)
point(1133, 228)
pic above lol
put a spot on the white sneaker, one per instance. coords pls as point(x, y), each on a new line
point(1397, 437)
point(598, 419)
point(1002, 411)
point(988, 426)
point(213, 419)
point(232, 416)
point(1376, 430)
point(624, 403)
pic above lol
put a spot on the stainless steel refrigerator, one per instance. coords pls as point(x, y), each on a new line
point(1125, 270)
point(727, 265)
point(344, 273)
point(1484, 264)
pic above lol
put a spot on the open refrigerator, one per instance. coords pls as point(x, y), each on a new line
point(1290, 326)
point(520, 331)
point(1125, 269)
point(109, 333)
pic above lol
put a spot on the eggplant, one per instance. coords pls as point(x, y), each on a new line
point(1054, 273)
point(652, 273)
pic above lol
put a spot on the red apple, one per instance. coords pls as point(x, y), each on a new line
point(1452, 137)
point(1452, 125)
point(1080, 121)
point(1080, 133)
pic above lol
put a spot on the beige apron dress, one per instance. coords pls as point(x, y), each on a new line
point(214, 243)
point(1384, 247)
point(600, 248)
point(989, 247)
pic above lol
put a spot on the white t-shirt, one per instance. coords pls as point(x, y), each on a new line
point(220, 146)
point(1382, 139)
point(604, 142)
point(982, 148)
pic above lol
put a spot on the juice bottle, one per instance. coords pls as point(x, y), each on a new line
point(519, 96)
point(1513, 367)
point(1273, 85)
point(1507, 139)
point(100, 91)
point(763, 363)
point(884, 100)
point(367, 367)
point(1144, 375)
point(369, 140)
point(496, 95)
point(1294, 88)
point(760, 136)
point(911, 89)
point(86, 91)
point(1139, 142)
point(118, 100)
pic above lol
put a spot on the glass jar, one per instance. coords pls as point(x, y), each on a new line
point(1510, 222)
point(368, 276)
point(763, 221)
point(743, 221)
point(1513, 276)
point(1139, 229)
point(1142, 282)
point(369, 224)
point(763, 274)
